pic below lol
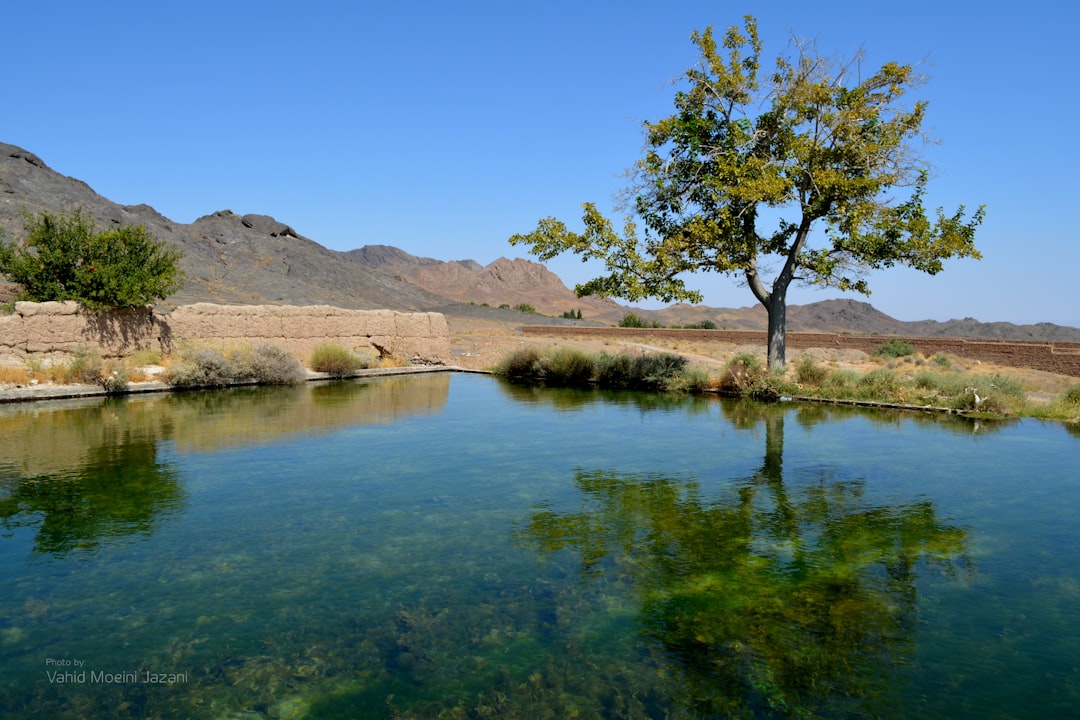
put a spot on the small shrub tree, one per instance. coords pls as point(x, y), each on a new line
point(267, 365)
point(808, 372)
point(631, 320)
point(335, 360)
point(895, 349)
point(741, 373)
point(67, 258)
point(1072, 395)
point(201, 367)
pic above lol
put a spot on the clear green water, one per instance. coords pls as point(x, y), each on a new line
point(448, 546)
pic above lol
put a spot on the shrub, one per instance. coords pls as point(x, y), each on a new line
point(895, 348)
point(881, 384)
point(631, 320)
point(808, 372)
point(267, 365)
point(770, 387)
point(113, 379)
point(942, 360)
point(201, 367)
point(14, 375)
point(525, 308)
point(657, 372)
point(67, 258)
point(335, 360)
point(841, 383)
point(741, 373)
point(1072, 395)
point(703, 325)
point(521, 366)
point(85, 367)
point(996, 394)
point(691, 379)
point(615, 371)
point(568, 367)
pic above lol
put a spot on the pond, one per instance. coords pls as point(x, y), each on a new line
point(451, 546)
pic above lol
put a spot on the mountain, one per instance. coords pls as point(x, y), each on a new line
point(255, 259)
point(502, 282)
point(228, 258)
point(853, 316)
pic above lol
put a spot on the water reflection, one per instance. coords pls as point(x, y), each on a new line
point(772, 597)
point(119, 489)
point(88, 473)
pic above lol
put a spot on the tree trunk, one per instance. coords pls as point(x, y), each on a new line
point(777, 310)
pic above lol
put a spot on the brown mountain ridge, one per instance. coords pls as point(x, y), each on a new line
point(255, 259)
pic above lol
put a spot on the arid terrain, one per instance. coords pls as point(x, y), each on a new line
point(478, 343)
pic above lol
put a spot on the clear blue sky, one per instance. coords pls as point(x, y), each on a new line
point(445, 127)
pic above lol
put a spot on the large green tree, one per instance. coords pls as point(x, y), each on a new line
point(812, 173)
point(66, 257)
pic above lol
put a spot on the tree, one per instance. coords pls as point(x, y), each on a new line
point(67, 258)
point(743, 171)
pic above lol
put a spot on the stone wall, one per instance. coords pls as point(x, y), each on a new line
point(1057, 357)
point(55, 328)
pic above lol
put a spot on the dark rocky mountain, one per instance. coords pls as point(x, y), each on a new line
point(233, 258)
point(228, 258)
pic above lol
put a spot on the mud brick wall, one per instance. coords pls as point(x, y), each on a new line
point(55, 328)
point(1059, 357)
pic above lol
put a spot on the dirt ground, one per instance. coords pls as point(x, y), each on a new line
point(479, 343)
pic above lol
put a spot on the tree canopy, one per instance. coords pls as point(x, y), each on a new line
point(67, 258)
point(735, 180)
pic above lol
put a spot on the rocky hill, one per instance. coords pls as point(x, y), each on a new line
point(255, 259)
point(502, 282)
point(228, 258)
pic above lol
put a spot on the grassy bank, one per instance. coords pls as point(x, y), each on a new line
point(911, 380)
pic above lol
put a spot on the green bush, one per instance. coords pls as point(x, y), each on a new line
point(68, 258)
point(808, 372)
point(568, 367)
point(657, 372)
point(522, 366)
point(631, 320)
point(525, 308)
point(770, 387)
point(335, 360)
point(615, 372)
point(267, 365)
point(881, 384)
point(895, 348)
point(942, 360)
point(1072, 395)
point(703, 325)
point(997, 394)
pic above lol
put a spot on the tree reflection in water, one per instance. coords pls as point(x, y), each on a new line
point(772, 598)
point(119, 490)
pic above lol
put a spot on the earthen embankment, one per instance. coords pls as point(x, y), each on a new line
point(1056, 357)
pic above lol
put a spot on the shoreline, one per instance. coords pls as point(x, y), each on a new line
point(49, 391)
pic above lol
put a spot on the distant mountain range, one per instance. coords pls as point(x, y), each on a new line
point(255, 259)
